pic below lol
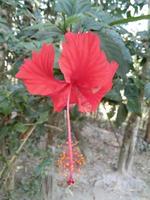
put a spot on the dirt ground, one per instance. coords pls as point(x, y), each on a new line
point(98, 179)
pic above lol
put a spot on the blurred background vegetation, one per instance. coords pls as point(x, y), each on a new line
point(25, 119)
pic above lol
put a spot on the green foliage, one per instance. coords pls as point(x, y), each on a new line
point(133, 97)
point(43, 117)
point(73, 7)
point(15, 113)
point(115, 95)
point(134, 106)
point(115, 49)
point(147, 91)
point(121, 114)
point(41, 168)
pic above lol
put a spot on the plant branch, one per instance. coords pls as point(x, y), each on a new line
point(11, 161)
point(113, 129)
point(46, 125)
point(129, 19)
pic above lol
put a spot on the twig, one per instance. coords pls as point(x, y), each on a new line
point(129, 19)
point(113, 129)
point(11, 161)
point(46, 125)
point(53, 127)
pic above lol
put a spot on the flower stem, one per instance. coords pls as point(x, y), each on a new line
point(70, 178)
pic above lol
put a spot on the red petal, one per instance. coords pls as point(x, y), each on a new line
point(37, 73)
point(86, 67)
point(60, 98)
point(82, 62)
point(92, 97)
point(88, 102)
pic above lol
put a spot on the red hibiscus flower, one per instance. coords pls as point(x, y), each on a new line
point(87, 72)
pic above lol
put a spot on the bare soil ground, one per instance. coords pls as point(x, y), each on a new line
point(98, 179)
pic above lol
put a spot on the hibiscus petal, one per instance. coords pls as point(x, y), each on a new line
point(37, 74)
point(59, 99)
point(86, 67)
point(89, 101)
point(92, 97)
point(82, 62)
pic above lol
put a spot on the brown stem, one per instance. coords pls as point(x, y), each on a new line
point(11, 161)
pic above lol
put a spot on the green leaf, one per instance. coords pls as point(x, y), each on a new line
point(72, 7)
point(132, 93)
point(4, 131)
point(72, 20)
point(64, 6)
point(121, 114)
point(20, 127)
point(82, 6)
point(89, 23)
point(147, 91)
point(134, 106)
point(49, 31)
point(5, 107)
point(43, 117)
point(101, 16)
point(3, 159)
point(131, 90)
point(114, 94)
point(115, 49)
point(41, 32)
point(40, 169)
